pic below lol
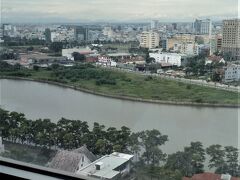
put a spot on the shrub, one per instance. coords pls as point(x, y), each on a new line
point(189, 86)
point(105, 81)
point(148, 78)
point(199, 100)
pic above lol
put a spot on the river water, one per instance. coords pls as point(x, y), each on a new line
point(182, 124)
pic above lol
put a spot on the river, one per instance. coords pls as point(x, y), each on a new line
point(182, 124)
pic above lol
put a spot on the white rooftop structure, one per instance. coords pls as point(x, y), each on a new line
point(68, 52)
point(118, 54)
point(226, 177)
point(171, 58)
point(107, 167)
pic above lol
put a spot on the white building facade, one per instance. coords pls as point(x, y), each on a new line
point(232, 73)
point(109, 167)
point(106, 61)
point(188, 48)
point(154, 24)
point(171, 58)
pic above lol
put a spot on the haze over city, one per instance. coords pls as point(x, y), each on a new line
point(74, 11)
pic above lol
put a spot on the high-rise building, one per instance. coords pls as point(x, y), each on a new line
point(149, 39)
point(163, 44)
point(154, 24)
point(219, 43)
point(8, 29)
point(174, 25)
point(107, 31)
point(47, 35)
point(231, 39)
point(81, 33)
point(202, 26)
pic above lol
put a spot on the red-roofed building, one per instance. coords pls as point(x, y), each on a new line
point(214, 59)
point(210, 176)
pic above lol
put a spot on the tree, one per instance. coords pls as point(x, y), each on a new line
point(180, 161)
point(150, 60)
point(188, 162)
point(101, 146)
point(35, 68)
point(56, 47)
point(217, 161)
point(31, 48)
point(232, 160)
point(134, 145)
point(160, 173)
point(4, 123)
point(55, 66)
point(122, 139)
point(197, 154)
point(151, 141)
point(44, 133)
point(199, 40)
point(78, 57)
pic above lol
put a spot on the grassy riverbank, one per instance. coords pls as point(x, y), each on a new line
point(122, 84)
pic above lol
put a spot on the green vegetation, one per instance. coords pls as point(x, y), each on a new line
point(146, 145)
point(27, 153)
point(78, 57)
point(121, 47)
point(116, 83)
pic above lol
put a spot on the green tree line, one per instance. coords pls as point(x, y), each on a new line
point(145, 145)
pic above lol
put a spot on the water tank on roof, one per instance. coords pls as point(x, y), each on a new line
point(225, 177)
point(99, 165)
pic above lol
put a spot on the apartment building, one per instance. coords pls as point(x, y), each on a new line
point(232, 73)
point(231, 39)
point(149, 39)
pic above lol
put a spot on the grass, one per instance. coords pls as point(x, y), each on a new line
point(122, 47)
point(138, 86)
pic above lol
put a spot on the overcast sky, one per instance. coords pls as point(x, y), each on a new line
point(115, 10)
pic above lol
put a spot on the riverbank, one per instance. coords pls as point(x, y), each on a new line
point(123, 97)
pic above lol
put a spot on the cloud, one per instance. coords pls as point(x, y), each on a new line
point(116, 10)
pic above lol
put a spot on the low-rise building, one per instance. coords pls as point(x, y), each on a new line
point(214, 59)
point(232, 73)
point(40, 59)
point(210, 176)
point(119, 56)
point(72, 161)
point(85, 51)
point(106, 61)
point(170, 58)
point(188, 48)
point(113, 166)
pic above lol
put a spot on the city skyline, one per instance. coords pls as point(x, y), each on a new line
point(75, 11)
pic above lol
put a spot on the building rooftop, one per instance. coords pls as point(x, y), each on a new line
point(210, 176)
point(215, 58)
point(66, 161)
point(107, 164)
point(69, 160)
point(84, 150)
point(119, 54)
